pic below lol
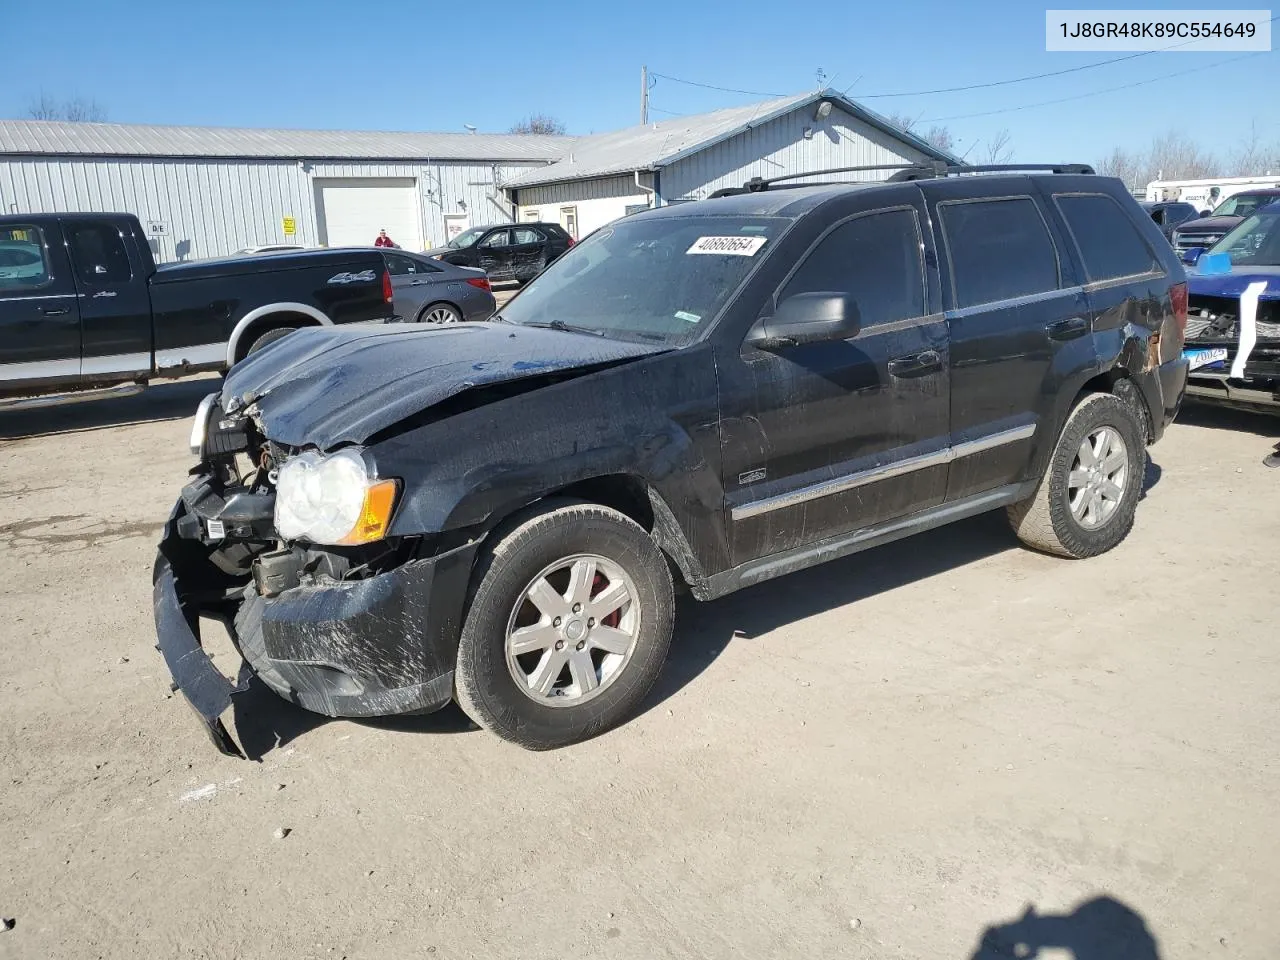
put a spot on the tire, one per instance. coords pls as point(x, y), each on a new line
point(1068, 517)
point(443, 312)
point(270, 337)
point(552, 548)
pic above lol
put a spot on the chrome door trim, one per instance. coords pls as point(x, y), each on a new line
point(826, 488)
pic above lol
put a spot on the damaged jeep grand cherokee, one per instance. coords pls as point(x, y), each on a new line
point(707, 395)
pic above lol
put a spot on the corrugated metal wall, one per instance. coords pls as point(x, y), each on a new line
point(215, 207)
point(779, 147)
point(602, 188)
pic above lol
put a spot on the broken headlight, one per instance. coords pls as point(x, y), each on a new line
point(334, 499)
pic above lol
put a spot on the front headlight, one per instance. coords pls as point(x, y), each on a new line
point(332, 499)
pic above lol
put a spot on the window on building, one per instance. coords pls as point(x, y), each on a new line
point(875, 258)
point(999, 249)
point(23, 264)
point(1107, 239)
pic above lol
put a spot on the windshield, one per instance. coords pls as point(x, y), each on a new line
point(1242, 205)
point(466, 238)
point(1255, 243)
point(664, 279)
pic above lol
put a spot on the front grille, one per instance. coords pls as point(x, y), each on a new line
point(1182, 242)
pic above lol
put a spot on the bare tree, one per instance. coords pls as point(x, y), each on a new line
point(998, 149)
point(75, 110)
point(1131, 170)
point(936, 136)
point(540, 123)
point(1176, 156)
point(1253, 156)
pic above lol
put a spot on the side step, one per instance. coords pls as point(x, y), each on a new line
point(61, 399)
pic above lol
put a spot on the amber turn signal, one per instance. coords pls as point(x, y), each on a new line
point(375, 513)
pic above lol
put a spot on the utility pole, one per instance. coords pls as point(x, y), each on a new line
point(644, 96)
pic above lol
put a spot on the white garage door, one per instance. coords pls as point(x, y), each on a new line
point(354, 210)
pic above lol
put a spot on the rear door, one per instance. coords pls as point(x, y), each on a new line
point(493, 255)
point(1018, 321)
point(825, 438)
point(115, 302)
point(39, 316)
point(528, 252)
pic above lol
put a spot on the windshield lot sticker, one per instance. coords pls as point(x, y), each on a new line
point(728, 246)
point(687, 316)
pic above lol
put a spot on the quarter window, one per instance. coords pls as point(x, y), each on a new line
point(1109, 243)
point(875, 259)
point(999, 249)
point(23, 264)
point(399, 266)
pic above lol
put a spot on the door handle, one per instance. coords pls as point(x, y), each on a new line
point(1068, 329)
point(918, 365)
point(54, 311)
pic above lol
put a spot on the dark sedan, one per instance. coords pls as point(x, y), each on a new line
point(429, 291)
point(507, 251)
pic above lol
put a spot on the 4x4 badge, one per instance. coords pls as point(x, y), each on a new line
point(364, 276)
point(752, 476)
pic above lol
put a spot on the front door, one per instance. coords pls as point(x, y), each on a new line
point(493, 255)
point(39, 317)
point(1018, 321)
point(826, 438)
point(115, 303)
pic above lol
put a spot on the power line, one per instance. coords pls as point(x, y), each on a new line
point(669, 113)
point(712, 86)
point(1094, 93)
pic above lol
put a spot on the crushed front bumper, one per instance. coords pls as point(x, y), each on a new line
point(379, 646)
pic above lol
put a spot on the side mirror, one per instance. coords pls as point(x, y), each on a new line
point(1205, 213)
point(807, 318)
point(1191, 255)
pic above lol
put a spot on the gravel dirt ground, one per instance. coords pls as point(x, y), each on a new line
point(881, 757)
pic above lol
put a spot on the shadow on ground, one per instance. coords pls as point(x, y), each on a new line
point(264, 721)
point(1225, 418)
point(171, 400)
point(703, 629)
point(1099, 929)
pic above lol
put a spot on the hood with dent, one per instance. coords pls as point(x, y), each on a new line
point(328, 386)
point(1233, 284)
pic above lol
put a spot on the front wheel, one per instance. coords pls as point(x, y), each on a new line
point(568, 627)
point(1086, 499)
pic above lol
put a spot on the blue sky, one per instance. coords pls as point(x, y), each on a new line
point(437, 66)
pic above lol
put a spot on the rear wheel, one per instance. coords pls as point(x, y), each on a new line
point(1086, 499)
point(440, 313)
point(568, 627)
point(270, 337)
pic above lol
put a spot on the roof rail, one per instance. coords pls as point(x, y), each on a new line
point(905, 172)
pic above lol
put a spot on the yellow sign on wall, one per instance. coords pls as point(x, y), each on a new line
point(290, 226)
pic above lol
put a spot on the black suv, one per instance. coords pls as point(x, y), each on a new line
point(1168, 214)
point(507, 251)
point(706, 395)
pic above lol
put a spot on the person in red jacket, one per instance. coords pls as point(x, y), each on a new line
point(383, 240)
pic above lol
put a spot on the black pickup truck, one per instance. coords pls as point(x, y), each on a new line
point(84, 307)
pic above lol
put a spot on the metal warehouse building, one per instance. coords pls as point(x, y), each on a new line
point(204, 192)
point(603, 177)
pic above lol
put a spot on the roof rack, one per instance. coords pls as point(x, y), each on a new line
point(906, 172)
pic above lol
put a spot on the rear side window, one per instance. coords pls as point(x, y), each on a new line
point(876, 259)
point(98, 253)
point(527, 235)
point(23, 264)
point(999, 249)
point(1108, 240)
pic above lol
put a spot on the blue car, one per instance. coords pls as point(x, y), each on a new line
point(1233, 328)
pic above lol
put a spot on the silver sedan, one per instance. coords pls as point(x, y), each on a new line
point(431, 291)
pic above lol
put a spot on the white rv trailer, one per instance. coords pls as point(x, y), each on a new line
point(1206, 194)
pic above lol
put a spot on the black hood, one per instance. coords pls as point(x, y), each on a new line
point(327, 386)
point(1210, 225)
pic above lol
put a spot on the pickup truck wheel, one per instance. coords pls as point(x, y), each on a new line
point(440, 313)
point(271, 336)
point(567, 629)
point(1086, 499)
